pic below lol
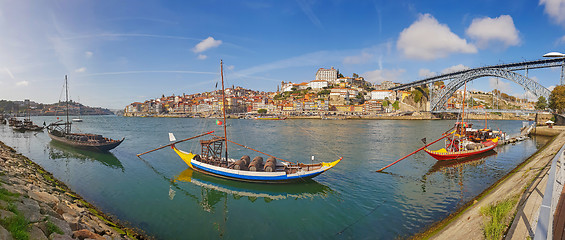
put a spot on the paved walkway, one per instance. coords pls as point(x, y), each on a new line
point(526, 219)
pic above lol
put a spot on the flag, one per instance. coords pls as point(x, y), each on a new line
point(218, 122)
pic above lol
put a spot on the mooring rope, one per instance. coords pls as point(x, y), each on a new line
point(359, 219)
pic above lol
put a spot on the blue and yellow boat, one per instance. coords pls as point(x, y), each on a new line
point(214, 161)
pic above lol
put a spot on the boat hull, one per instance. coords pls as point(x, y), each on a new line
point(443, 155)
point(87, 146)
point(251, 176)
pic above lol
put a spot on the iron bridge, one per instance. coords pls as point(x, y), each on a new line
point(506, 71)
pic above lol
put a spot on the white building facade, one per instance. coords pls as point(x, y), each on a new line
point(329, 75)
point(381, 94)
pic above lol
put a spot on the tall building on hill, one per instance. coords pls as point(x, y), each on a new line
point(329, 75)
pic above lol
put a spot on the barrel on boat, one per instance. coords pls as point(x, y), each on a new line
point(242, 163)
point(271, 165)
point(256, 164)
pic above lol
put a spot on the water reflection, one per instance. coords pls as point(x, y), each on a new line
point(61, 151)
point(214, 189)
point(456, 164)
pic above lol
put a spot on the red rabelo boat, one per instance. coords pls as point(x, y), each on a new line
point(464, 141)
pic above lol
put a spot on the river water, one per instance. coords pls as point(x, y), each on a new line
point(159, 194)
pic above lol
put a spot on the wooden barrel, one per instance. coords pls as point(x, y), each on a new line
point(256, 164)
point(258, 159)
point(247, 159)
point(240, 165)
point(272, 159)
point(269, 166)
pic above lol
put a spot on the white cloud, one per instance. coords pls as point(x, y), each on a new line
point(9, 73)
point(202, 56)
point(500, 84)
point(206, 44)
point(529, 96)
point(22, 83)
point(230, 67)
point(378, 76)
point(491, 30)
point(427, 39)
point(80, 70)
point(88, 54)
point(456, 68)
point(426, 73)
point(359, 59)
point(555, 9)
point(306, 8)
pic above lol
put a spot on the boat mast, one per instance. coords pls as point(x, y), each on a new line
point(224, 107)
point(67, 125)
point(463, 106)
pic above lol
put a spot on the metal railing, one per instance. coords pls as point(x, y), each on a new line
point(544, 227)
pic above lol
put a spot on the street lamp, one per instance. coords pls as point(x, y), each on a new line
point(558, 55)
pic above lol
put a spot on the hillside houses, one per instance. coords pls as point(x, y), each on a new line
point(326, 94)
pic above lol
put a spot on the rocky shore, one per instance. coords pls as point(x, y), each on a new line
point(34, 205)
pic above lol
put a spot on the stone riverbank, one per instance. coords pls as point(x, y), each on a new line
point(35, 205)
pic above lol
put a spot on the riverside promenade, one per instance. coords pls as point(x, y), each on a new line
point(34, 205)
point(527, 183)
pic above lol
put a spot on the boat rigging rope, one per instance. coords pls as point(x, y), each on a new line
point(315, 138)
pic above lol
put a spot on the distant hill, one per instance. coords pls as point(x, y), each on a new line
point(40, 109)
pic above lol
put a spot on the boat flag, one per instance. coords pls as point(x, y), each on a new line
point(218, 122)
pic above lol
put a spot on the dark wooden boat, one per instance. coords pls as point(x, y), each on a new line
point(93, 142)
point(12, 121)
point(61, 132)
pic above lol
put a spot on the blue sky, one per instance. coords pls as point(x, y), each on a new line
point(118, 52)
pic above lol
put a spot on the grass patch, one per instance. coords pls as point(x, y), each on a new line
point(7, 196)
point(84, 203)
point(498, 216)
point(17, 225)
point(106, 221)
point(52, 228)
point(120, 231)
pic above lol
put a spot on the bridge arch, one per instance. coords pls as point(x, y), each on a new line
point(439, 99)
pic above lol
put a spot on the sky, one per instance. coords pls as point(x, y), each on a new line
point(118, 52)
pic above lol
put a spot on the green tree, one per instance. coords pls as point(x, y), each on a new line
point(417, 95)
point(385, 102)
point(324, 92)
point(355, 75)
point(262, 111)
point(541, 104)
point(557, 99)
point(396, 105)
